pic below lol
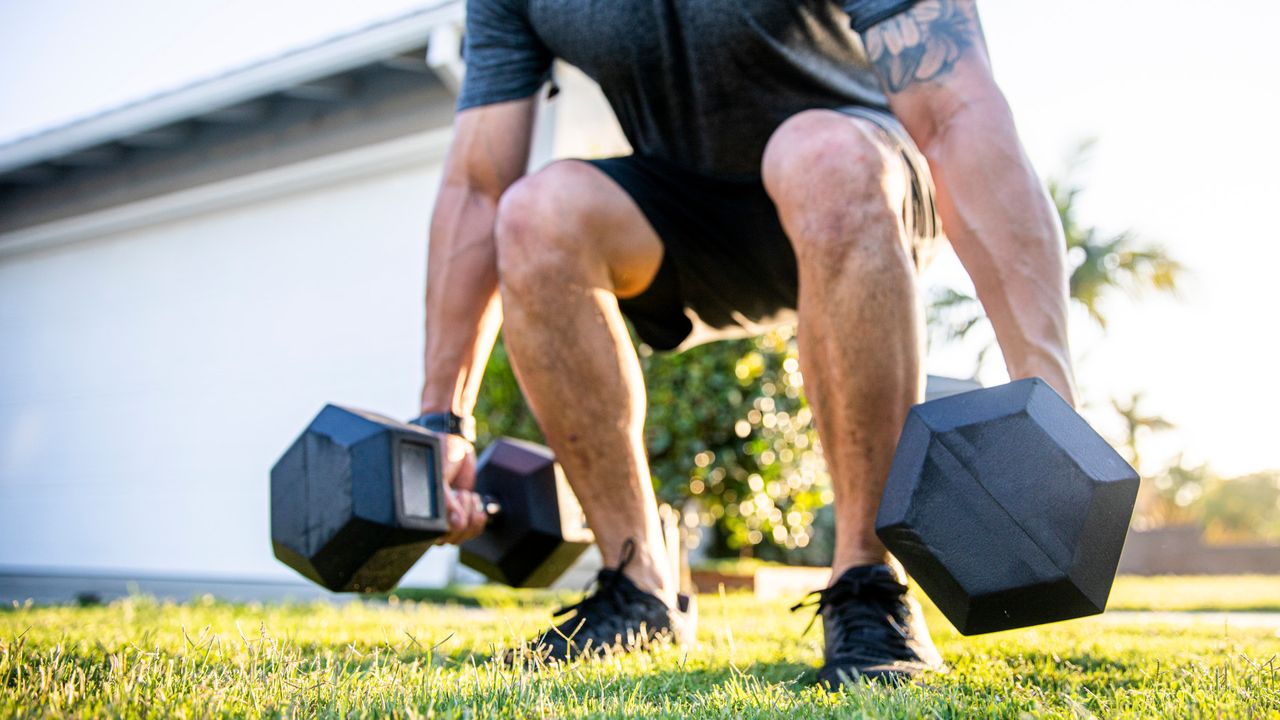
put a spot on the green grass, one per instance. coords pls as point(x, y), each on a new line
point(1197, 593)
point(1187, 593)
point(139, 658)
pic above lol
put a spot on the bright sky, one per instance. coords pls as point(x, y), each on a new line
point(1184, 105)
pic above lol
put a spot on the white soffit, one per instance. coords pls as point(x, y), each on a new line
point(402, 154)
point(336, 55)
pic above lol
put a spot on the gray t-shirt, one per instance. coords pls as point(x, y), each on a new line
point(701, 83)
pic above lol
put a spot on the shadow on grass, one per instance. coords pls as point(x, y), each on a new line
point(477, 596)
point(665, 678)
point(795, 677)
point(1061, 672)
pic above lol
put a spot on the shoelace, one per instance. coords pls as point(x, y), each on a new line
point(609, 590)
point(859, 608)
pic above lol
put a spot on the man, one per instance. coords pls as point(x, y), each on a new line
point(785, 159)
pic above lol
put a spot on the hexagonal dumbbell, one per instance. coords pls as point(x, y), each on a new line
point(538, 529)
point(358, 498)
point(1007, 508)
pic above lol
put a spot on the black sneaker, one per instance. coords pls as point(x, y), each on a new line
point(616, 617)
point(873, 629)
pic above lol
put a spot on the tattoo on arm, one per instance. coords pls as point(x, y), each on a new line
point(921, 43)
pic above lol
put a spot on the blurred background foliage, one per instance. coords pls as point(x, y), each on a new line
point(1241, 510)
point(732, 444)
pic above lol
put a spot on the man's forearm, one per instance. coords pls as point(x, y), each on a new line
point(463, 312)
point(1007, 235)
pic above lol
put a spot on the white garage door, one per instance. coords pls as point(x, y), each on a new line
point(150, 378)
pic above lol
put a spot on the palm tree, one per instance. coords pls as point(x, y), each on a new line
point(1137, 424)
point(1101, 265)
point(1153, 507)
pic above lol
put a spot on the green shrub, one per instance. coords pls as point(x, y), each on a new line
point(730, 439)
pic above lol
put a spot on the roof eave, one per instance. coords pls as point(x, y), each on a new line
point(336, 55)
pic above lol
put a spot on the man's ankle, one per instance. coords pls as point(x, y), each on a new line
point(647, 578)
point(843, 563)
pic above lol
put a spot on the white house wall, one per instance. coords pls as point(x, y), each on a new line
point(149, 378)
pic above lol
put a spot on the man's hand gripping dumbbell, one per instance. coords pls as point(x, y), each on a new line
point(359, 497)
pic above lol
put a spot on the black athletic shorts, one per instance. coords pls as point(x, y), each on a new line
point(728, 269)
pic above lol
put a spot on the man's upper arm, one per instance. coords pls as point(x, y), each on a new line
point(505, 59)
point(930, 56)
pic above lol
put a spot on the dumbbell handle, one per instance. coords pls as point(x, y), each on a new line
point(492, 507)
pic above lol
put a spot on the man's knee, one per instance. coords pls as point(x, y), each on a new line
point(830, 177)
point(541, 221)
point(818, 148)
